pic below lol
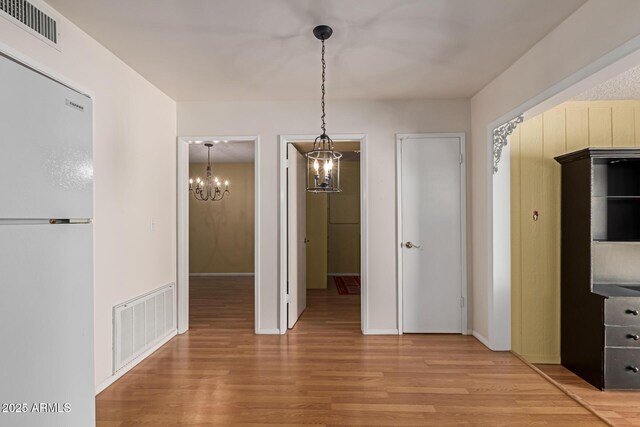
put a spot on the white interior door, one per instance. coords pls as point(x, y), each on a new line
point(297, 226)
point(431, 235)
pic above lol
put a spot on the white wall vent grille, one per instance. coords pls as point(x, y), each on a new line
point(31, 18)
point(141, 323)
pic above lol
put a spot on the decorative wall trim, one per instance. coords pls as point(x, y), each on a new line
point(500, 135)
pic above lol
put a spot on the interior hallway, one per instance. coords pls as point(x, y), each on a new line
point(324, 372)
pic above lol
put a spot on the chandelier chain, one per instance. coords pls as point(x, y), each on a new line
point(324, 66)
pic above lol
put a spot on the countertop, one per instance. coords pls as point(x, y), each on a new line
point(616, 290)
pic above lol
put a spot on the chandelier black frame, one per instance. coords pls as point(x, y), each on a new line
point(323, 162)
point(205, 190)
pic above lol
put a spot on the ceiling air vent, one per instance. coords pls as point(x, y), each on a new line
point(32, 19)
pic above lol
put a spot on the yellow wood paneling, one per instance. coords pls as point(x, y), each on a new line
point(531, 150)
point(554, 144)
point(600, 126)
point(577, 127)
point(535, 185)
point(623, 126)
point(344, 222)
point(317, 247)
point(636, 111)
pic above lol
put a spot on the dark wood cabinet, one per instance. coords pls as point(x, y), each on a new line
point(600, 278)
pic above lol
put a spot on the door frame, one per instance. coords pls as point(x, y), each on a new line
point(284, 140)
point(182, 170)
point(464, 281)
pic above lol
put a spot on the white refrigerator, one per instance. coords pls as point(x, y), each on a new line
point(46, 251)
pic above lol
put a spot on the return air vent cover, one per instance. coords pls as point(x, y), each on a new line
point(141, 323)
point(32, 19)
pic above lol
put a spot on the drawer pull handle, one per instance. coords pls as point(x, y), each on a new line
point(635, 369)
point(635, 337)
point(634, 312)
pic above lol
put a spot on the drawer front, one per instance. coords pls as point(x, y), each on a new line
point(622, 311)
point(622, 336)
point(620, 367)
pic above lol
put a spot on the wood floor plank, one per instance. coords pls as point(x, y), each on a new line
point(324, 372)
point(620, 408)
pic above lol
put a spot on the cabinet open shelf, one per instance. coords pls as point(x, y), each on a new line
point(616, 199)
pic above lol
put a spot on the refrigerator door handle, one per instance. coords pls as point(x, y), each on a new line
point(70, 221)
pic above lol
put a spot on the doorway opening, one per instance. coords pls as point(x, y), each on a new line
point(604, 115)
point(217, 240)
point(323, 241)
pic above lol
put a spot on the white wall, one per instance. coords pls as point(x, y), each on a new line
point(134, 171)
point(380, 121)
point(594, 30)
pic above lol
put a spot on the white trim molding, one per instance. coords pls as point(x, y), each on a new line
point(464, 282)
point(501, 137)
point(183, 226)
point(284, 140)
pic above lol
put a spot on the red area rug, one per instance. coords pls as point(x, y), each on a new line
point(347, 285)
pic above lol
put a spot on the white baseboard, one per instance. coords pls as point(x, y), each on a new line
point(115, 377)
point(343, 274)
point(381, 332)
point(268, 332)
point(220, 274)
point(482, 339)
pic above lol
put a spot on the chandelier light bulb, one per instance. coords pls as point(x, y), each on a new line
point(316, 165)
point(226, 183)
point(190, 180)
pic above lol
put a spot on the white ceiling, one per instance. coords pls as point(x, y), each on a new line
point(624, 86)
point(264, 50)
point(222, 152)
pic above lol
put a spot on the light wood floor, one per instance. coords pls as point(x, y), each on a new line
point(620, 408)
point(325, 373)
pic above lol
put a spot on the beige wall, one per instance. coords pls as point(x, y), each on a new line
point(221, 234)
point(317, 247)
point(134, 165)
point(344, 222)
point(535, 186)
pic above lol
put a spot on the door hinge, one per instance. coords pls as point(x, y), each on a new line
point(287, 299)
point(461, 158)
point(286, 164)
point(461, 302)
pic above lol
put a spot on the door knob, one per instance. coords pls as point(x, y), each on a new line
point(635, 337)
point(410, 245)
point(634, 312)
point(634, 369)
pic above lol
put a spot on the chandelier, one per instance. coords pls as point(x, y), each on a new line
point(323, 162)
point(209, 188)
